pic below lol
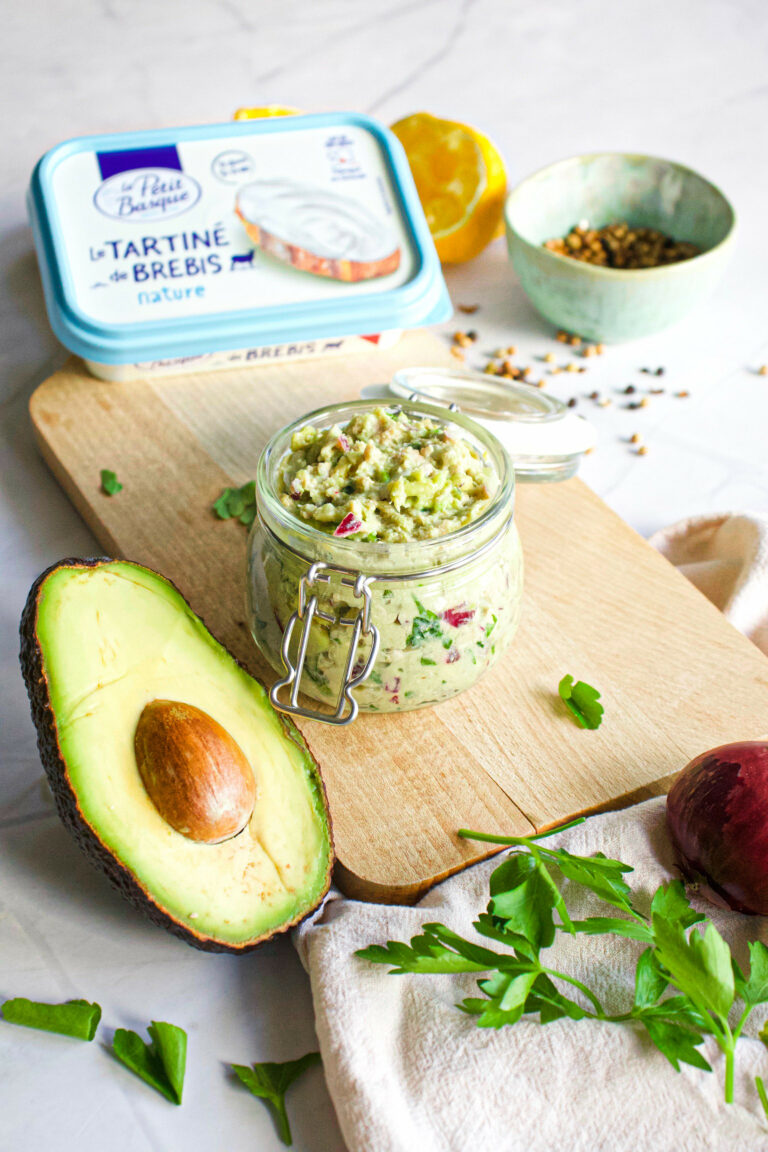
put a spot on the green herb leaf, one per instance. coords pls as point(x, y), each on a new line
point(612, 925)
point(650, 981)
point(550, 1003)
point(270, 1082)
point(700, 966)
point(678, 1044)
point(582, 701)
point(161, 1063)
point(522, 896)
point(110, 485)
point(76, 1018)
point(426, 626)
point(237, 503)
point(671, 902)
point(601, 875)
point(755, 990)
point(425, 954)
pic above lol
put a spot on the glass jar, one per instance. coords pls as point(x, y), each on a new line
point(400, 625)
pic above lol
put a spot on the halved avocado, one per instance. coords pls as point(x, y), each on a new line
point(100, 641)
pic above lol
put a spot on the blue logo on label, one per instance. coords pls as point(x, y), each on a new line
point(144, 184)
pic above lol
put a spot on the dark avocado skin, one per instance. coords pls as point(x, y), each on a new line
point(31, 659)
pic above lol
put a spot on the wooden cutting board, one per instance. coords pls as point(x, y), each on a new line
point(505, 756)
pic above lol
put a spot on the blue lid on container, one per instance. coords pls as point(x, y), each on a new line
point(178, 242)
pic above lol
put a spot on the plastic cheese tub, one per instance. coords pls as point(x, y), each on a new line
point(210, 247)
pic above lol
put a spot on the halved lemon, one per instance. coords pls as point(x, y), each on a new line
point(266, 110)
point(461, 182)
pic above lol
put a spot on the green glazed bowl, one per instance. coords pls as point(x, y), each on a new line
point(614, 304)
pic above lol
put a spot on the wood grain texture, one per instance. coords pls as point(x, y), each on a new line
point(505, 756)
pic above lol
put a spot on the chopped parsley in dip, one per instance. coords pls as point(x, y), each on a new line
point(386, 476)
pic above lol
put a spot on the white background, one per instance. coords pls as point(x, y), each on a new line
point(684, 79)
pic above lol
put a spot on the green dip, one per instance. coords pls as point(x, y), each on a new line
point(386, 476)
point(393, 477)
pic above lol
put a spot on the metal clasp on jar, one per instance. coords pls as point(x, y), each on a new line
point(306, 612)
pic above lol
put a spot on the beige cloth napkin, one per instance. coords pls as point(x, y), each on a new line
point(409, 1072)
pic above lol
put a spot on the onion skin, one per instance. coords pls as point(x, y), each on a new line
point(717, 816)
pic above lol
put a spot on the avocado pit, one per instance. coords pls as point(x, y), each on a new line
point(194, 772)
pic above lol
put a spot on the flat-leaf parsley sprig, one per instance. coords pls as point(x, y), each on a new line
point(686, 981)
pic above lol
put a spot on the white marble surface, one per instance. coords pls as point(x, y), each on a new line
point(685, 80)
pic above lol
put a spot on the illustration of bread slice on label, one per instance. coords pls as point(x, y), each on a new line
point(317, 231)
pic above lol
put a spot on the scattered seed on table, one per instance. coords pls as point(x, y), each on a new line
point(500, 353)
point(599, 349)
point(606, 403)
point(562, 337)
point(555, 371)
point(589, 350)
point(657, 391)
point(660, 371)
point(594, 396)
point(644, 402)
point(646, 370)
point(511, 350)
point(630, 388)
point(635, 438)
point(572, 402)
point(461, 339)
point(550, 358)
point(457, 352)
point(633, 404)
point(763, 370)
point(572, 367)
point(540, 384)
point(472, 335)
point(682, 395)
point(574, 341)
point(490, 368)
point(642, 450)
point(469, 309)
point(582, 368)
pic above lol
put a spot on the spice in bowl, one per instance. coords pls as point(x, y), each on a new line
point(621, 246)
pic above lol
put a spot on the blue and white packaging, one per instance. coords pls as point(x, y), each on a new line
point(241, 243)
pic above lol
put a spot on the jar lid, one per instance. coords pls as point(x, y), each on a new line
point(544, 438)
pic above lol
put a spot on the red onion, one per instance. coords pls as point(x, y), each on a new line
point(717, 815)
point(458, 616)
point(348, 525)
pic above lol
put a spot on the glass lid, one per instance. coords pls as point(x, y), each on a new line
point(545, 439)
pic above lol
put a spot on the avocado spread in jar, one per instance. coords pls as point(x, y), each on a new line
point(386, 476)
point(394, 478)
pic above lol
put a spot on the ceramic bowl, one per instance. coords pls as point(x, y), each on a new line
point(613, 304)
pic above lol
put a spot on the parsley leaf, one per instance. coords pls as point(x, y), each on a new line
point(755, 990)
point(700, 966)
point(237, 504)
point(271, 1081)
point(110, 485)
point(582, 701)
point(671, 902)
point(161, 1063)
point(650, 981)
point(677, 1043)
point(426, 626)
point(522, 897)
point(76, 1018)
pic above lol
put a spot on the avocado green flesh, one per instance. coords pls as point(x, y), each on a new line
point(116, 636)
